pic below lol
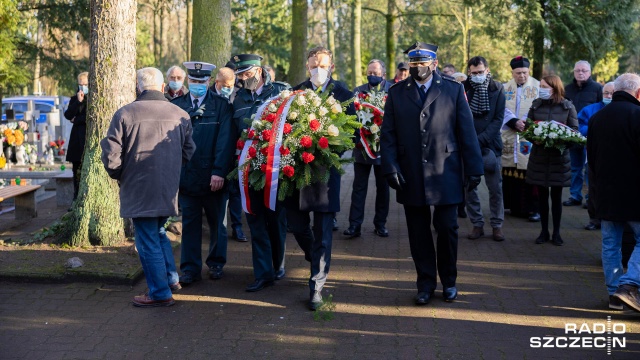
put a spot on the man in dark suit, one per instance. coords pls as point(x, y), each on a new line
point(427, 140)
point(322, 199)
point(376, 73)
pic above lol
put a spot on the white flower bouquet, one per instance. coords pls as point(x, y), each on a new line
point(552, 134)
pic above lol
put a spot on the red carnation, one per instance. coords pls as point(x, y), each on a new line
point(252, 152)
point(307, 157)
point(366, 131)
point(284, 150)
point(357, 105)
point(377, 120)
point(287, 128)
point(362, 96)
point(314, 125)
point(240, 144)
point(251, 134)
point(323, 143)
point(264, 151)
point(270, 118)
point(288, 170)
point(376, 112)
point(266, 135)
point(263, 168)
point(306, 141)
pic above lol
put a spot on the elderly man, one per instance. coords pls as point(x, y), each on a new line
point(487, 103)
point(449, 69)
point(376, 73)
point(402, 72)
point(175, 79)
point(583, 119)
point(520, 92)
point(613, 150)
point(582, 91)
point(225, 83)
point(146, 144)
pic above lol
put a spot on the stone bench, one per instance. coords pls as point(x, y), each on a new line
point(64, 188)
point(25, 200)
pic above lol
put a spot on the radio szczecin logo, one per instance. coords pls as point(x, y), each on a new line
point(584, 336)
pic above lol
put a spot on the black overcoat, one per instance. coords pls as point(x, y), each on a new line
point(430, 143)
point(613, 150)
point(77, 113)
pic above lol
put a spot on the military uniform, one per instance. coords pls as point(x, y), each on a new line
point(268, 227)
point(429, 139)
point(211, 122)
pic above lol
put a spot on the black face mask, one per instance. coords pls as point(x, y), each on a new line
point(420, 73)
point(374, 80)
point(250, 83)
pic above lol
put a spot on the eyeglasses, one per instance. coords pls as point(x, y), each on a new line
point(581, 71)
point(607, 93)
point(475, 73)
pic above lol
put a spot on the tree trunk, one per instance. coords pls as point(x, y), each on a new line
point(159, 61)
point(299, 22)
point(95, 217)
point(356, 58)
point(189, 24)
point(391, 37)
point(156, 57)
point(467, 49)
point(212, 23)
point(538, 44)
point(331, 42)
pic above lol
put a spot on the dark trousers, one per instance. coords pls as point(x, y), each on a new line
point(427, 258)
point(235, 207)
point(359, 195)
point(191, 247)
point(75, 169)
point(315, 243)
point(268, 235)
point(556, 207)
point(591, 199)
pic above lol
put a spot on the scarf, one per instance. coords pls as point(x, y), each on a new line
point(479, 104)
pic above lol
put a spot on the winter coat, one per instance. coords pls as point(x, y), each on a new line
point(76, 113)
point(613, 150)
point(146, 144)
point(548, 166)
point(589, 93)
point(488, 126)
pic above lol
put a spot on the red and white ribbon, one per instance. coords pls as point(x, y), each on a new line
point(243, 177)
point(367, 146)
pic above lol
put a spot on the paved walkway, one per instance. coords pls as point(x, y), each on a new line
point(510, 292)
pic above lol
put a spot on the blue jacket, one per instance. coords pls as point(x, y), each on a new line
point(585, 114)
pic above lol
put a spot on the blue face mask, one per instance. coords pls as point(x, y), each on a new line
point(374, 80)
point(198, 90)
point(606, 101)
point(479, 79)
point(175, 85)
point(84, 89)
point(225, 91)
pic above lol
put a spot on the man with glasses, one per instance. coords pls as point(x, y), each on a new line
point(427, 140)
point(582, 91)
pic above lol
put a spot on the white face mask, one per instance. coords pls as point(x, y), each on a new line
point(545, 93)
point(319, 76)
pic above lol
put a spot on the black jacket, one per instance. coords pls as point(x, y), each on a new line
point(488, 126)
point(613, 150)
point(429, 143)
point(77, 113)
point(581, 96)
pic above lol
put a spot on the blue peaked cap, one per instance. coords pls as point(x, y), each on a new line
point(420, 52)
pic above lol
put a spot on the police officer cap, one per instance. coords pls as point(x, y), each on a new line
point(198, 70)
point(231, 65)
point(519, 62)
point(403, 66)
point(246, 62)
point(420, 52)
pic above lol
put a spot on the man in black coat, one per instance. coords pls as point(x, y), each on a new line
point(322, 199)
point(487, 103)
point(427, 140)
point(376, 73)
point(613, 149)
point(582, 91)
point(77, 113)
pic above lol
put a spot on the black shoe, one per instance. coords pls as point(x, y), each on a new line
point(535, 217)
point(280, 274)
point(259, 285)
point(188, 278)
point(175, 288)
point(352, 232)
point(556, 240)
point(628, 294)
point(543, 237)
point(216, 272)
point(423, 298)
point(572, 202)
point(335, 224)
point(239, 235)
point(615, 303)
point(315, 301)
point(450, 294)
point(381, 231)
point(592, 226)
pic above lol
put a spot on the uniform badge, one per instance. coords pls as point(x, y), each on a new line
point(236, 58)
point(197, 66)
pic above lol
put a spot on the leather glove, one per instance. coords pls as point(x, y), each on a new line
point(395, 181)
point(473, 182)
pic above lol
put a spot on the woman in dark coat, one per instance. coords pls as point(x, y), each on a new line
point(77, 113)
point(548, 168)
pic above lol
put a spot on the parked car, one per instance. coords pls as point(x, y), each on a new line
point(44, 104)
